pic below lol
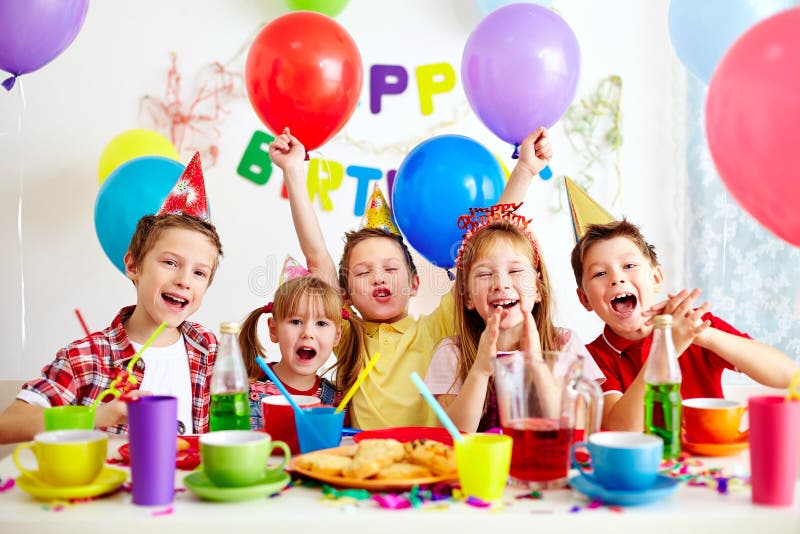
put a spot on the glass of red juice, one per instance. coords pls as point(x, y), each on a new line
point(542, 398)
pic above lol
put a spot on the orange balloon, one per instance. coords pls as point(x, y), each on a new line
point(304, 71)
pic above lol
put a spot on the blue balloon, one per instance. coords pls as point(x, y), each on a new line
point(136, 188)
point(439, 180)
point(702, 31)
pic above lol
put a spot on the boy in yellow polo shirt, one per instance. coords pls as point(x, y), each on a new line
point(378, 277)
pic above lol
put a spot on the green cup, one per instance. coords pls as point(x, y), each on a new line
point(69, 418)
point(236, 458)
point(483, 463)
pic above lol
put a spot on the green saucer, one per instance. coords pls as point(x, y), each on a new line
point(199, 484)
point(107, 481)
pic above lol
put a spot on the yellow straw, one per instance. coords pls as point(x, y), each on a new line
point(361, 376)
point(112, 387)
point(794, 387)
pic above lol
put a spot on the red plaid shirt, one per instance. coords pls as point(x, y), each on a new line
point(77, 376)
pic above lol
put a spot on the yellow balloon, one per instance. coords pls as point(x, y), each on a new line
point(134, 144)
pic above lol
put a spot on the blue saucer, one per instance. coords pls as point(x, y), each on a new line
point(662, 487)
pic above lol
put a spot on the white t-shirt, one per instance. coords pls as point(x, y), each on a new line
point(444, 364)
point(166, 372)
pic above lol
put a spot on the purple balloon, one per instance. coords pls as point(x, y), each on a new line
point(34, 32)
point(520, 70)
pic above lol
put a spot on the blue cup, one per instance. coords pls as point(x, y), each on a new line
point(318, 428)
point(622, 461)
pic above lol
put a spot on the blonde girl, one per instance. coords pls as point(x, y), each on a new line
point(306, 321)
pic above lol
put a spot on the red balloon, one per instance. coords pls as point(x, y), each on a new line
point(753, 122)
point(304, 71)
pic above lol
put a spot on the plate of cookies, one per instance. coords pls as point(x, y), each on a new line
point(380, 464)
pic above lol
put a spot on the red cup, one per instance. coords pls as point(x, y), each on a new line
point(279, 417)
point(774, 449)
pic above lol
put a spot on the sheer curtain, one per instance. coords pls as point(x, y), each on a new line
point(750, 277)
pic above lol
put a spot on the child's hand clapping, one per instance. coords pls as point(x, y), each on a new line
point(287, 151)
point(535, 151)
point(487, 346)
point(530, 342)
point(687, 323)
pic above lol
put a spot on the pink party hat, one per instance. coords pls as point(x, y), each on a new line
point(378, 214)
point(292, 269)
point(189, 193)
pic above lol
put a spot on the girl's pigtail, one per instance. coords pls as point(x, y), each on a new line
point(250, 344)
point(353, 355)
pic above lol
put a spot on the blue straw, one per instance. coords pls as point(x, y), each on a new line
point(437, 408)
point(279, 385)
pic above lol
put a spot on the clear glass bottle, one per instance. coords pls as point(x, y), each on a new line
point(230, 386)
point(662, 398)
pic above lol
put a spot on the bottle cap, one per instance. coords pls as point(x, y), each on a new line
point(229, 328)
point(662, 321)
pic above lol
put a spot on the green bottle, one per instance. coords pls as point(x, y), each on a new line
point(662, 398)
point(230, 387)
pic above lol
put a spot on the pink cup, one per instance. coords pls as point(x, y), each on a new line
point(774, 449)
point(279, 417)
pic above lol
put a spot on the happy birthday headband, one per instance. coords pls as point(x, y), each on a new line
point(479, 218)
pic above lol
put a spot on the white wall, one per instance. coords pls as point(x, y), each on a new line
point(76, 104)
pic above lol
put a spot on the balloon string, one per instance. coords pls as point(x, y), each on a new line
point(23, 105)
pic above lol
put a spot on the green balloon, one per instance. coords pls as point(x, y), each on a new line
point(326, 7)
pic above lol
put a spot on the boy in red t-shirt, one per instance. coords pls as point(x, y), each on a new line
point(618, 276)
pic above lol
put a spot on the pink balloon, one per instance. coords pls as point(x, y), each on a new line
point(753, 123)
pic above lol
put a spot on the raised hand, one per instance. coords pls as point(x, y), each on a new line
point(287, 151)
point(535, 152)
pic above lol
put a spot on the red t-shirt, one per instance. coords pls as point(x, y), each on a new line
point(621, 360)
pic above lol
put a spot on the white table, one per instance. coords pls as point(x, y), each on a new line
point(303, 509)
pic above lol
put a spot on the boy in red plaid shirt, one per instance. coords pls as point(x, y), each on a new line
point(171, 261)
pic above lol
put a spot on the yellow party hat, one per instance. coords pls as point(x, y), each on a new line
point(377, 213)
point(584, 209)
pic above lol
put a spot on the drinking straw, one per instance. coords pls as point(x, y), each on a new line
point(794, 388)
point(112, 387)
point(279, 385)
point(437, 408)
point(87, 331)
point(361, 376)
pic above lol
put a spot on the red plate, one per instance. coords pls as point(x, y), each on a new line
point(188, 458)
point(405, 434)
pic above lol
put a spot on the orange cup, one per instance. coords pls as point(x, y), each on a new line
point(279, 417)
point(707, 420)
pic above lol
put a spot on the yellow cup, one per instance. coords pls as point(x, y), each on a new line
point(65, 457)
point(483, 464)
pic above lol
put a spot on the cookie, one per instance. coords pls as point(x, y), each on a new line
point(324, 463)
point(439, 458)
point(403, 471)
point(372, 456)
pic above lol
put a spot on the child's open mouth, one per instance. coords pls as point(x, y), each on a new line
point(505, 304)
point(174, 300)
point(382, 293)
point(306, 353)
point(624, 303)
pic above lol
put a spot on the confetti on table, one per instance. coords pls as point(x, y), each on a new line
point(6, 484)
point(169, 510)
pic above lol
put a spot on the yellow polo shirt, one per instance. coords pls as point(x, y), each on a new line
point(388, 397)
